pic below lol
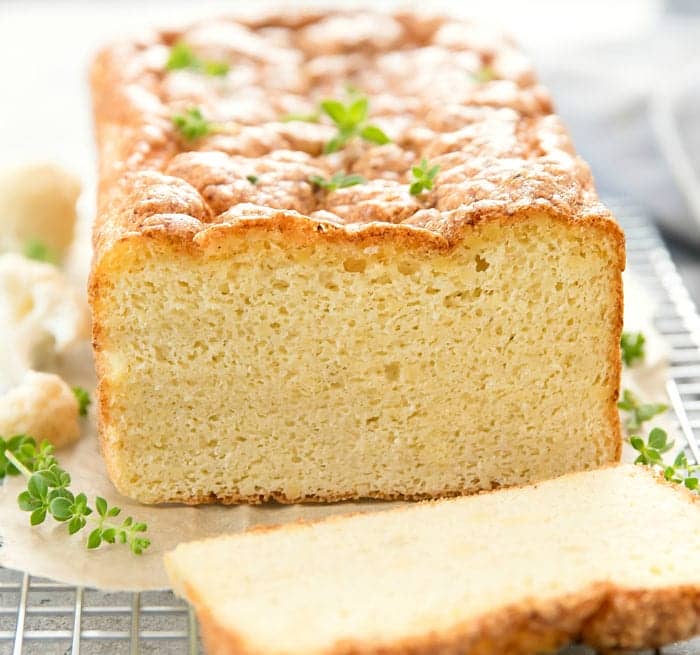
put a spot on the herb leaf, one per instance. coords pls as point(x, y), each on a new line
point(651, 452)
point(47, 494)
point(83, 398)
point(658, 439)
point(423, 176)
point(61, 508)
point(373, 134)
point(183, 57)
point(336, 111)
point(192, 125)
point(215, 68)
point(37, 516)
point(37, 487)
point(335, 144)
point(350, 119)
point(357, 112)
point(338, 181)
point(637, 412)
point(632, 347)
point(39, 251)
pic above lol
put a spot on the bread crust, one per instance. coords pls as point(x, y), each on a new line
point(604, 616)
point(156, 191)
point(136, 141)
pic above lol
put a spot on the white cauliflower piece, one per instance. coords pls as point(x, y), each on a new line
point(41, 314)
point(37, 204)
point(42, 406)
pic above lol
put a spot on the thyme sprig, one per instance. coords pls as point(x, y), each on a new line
point(423, 177)
point(39, 251)
point(632, 347)
point(48, 493)
point(638, 412)
point(351, 120)
point(651, 453)
point(339, 180)
point(83, 398)
point(192, 124)
point(183, 57)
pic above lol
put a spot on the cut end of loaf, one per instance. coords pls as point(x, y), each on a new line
point(258, 368)
point(466, 575)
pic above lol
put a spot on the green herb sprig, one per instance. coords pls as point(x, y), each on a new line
point(638, 413)
point(39, 251)
point(338, 181)
point(183, 57)
point(83, 398)
point(423, 177)
point(351, 121)
point(48, 494)
point(192, 124)
point(632, 347)
point(651, 452)
point(682, 471)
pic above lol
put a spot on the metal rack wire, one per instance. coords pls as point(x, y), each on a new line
point(40, 617)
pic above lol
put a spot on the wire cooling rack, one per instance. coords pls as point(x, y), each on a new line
point(41, 617)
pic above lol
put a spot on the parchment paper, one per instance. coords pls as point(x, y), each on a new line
point(48, 551)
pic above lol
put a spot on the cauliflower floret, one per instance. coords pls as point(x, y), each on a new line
point(41, 315)
point(42, 406)
point(37, 204)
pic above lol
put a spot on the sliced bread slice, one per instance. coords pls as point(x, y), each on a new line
point(609, 556)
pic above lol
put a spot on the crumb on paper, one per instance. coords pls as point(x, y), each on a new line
point(42, 406)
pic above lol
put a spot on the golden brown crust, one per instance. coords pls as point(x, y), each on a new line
point(501, 151)
point(603, 616)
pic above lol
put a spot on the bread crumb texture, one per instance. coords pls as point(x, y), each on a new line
point(513, 572)
point(269, 339)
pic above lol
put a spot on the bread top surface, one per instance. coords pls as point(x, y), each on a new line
point(462, 97)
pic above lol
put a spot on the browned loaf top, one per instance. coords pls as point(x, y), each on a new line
point(462, 97)
point(307, 344)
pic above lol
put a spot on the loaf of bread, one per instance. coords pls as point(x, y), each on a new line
point(260, 336)
point(611, 557)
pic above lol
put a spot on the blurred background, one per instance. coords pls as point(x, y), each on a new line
point(625, 75)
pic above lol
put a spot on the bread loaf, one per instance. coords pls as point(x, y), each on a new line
point(611, 557)
point(260, 337)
